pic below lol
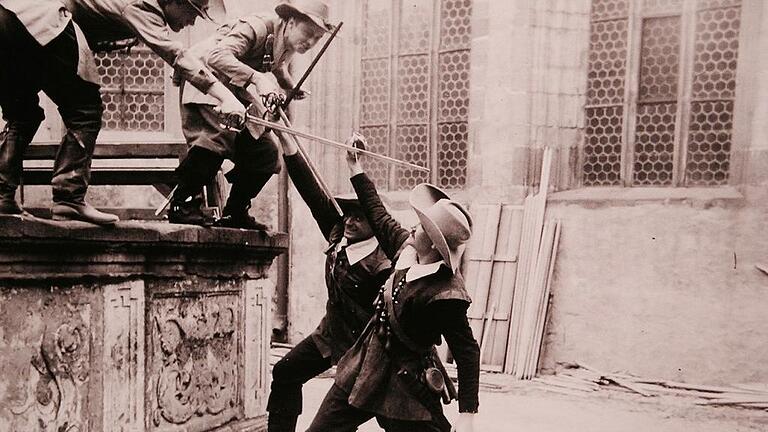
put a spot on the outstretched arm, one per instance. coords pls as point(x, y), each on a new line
point(388, 231)
point(318, 202)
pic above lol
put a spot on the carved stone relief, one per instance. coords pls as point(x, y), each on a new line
point(54, 396)
point(194, 360)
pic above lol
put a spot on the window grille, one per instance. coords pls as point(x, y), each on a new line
point(660, 92)
point(415, 89)
point(132, 89)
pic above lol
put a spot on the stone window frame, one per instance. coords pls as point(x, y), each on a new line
point(606, 12)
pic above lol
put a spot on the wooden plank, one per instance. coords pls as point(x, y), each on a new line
point(112, 150)
point(505, 266)
point(503, 288)
point(520, 283)
point(482, 243)
point(111, 177)
point(486, 327)
point(533, 301)
point(532, 231)
point(544, 303)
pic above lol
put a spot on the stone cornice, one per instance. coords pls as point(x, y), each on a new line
point(32, 248)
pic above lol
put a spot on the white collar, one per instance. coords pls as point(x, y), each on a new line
point(409, 260)
point(357, 251)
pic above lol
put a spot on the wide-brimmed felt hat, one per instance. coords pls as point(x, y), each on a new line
point(446, 222)
point(348, 203)
point(314, 10)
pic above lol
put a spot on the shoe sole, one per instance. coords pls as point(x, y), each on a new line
point(67, 218)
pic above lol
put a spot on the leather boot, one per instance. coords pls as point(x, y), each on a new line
point(197, 169)
point(239, 218)
point(188, 212)
point(9, 205)
point(235, 213)
point(14, 140)
point(72, 174)
point(64, 211)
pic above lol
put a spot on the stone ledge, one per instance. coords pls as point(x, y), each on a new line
point(726, 196)
point(31, 248)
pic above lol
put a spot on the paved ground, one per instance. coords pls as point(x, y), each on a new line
point(528, 407)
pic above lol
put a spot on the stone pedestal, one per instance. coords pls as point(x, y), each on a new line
point(140, 327)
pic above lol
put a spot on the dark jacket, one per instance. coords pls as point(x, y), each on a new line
point(352, 289)
point(427, 308)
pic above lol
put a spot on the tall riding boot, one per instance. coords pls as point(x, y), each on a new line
point(71, 176)
point(197, 169)
point(235, 214)
point(14, 140)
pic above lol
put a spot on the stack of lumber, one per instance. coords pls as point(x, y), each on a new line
point(578, 380)
point(538, 249)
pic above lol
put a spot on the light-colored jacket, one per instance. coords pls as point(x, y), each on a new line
point(235, 54)
point(111, 20)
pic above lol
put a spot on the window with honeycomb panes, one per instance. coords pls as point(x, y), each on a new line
point(607, 63)
point(455, 24)
point(413, 89)
point(377, 28)
point(374, 92)
point(452, 155)
point(133, 87)
point(709, 143)
point(602, 146)
point(654, 144)
point(715, 53)
point(609, 9)
point(378, 142)
point(659, 59)
point(415, 26)
point(412, 146)
point(430, 35)
point(453, 82)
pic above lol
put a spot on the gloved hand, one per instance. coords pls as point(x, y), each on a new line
point(356, 140)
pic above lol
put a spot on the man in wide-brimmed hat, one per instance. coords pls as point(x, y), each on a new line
point(241, 53)
point(44, 45)
point(355, 268)
point(392, 371)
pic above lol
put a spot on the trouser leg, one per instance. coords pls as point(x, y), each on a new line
point(289, 375)
point(197, 169)
point(19, 85)
point(337, 415)
point(255, 162)
point(79, 104)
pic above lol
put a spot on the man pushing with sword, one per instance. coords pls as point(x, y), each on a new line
point(240, 54)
